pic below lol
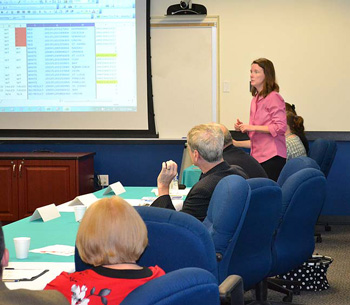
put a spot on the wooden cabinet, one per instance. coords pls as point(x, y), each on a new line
point(32, 180)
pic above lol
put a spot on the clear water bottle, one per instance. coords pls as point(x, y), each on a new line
point(174, 185)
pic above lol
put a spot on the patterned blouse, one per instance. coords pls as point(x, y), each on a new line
point(295, 147)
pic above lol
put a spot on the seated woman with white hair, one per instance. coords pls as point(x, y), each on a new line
point(111, 237)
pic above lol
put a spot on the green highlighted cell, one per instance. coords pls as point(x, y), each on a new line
point(107, 81)
point(106, 55)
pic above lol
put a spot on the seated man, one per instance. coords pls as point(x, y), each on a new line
point(205, 144)
point(237, 156)
point(24, 296)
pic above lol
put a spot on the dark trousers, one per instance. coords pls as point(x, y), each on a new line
point(273, 167)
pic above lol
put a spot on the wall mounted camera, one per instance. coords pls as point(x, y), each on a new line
point(187, 4)
point(186, 7)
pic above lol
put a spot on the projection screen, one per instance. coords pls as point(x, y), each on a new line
point(75, 68)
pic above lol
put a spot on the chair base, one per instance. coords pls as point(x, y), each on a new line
point(326, 225)
point(276, 284)
point(318, 237)
point(271, 303)
point(261, 291)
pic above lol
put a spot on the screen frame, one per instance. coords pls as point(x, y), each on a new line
point(101, 133)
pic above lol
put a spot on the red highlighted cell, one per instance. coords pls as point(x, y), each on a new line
point(21, 37)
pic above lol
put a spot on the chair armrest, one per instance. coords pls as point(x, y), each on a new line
point(231, 290)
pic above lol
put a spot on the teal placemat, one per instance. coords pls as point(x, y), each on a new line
point(62, 231)
point(132, 192)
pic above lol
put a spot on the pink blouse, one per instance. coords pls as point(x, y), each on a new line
point(269, 111)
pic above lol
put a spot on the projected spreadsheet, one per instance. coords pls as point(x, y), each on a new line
point(67, 56)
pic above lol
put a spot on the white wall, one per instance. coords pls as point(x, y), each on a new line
point(307, 40)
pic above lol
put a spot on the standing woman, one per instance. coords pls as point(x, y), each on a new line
point(267, 122)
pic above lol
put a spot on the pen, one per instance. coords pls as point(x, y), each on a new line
point(10, 281)
point(7, 268)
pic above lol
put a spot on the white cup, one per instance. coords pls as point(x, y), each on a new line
point(79, 211)
point(21, 246)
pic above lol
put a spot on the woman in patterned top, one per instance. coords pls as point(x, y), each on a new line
point(295, 129)
point(111, 237)
point(302, 136)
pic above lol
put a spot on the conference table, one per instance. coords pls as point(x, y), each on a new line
point(58, 231)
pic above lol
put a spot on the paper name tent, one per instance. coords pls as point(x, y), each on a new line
point(117, 188)
point(46, 213)
point(86, 200)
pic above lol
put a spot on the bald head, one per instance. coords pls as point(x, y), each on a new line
point(227, 134)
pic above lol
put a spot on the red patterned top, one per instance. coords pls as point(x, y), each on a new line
point(101, 285)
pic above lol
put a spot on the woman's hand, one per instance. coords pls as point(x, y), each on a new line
point(245, 128)
point(237, 125)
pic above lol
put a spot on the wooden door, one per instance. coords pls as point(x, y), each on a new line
point(42, 182)
point(8, 190)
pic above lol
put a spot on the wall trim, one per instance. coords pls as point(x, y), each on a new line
point(311, 135)
point(334, 220)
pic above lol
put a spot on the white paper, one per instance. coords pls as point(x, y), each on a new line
point(183, 192)
point(39, 284)
point(47, 213)
point(147, 201)
point(15, 274)
point(176, 200)
point(86, 200)
point(117, 188)
point(134, 202)
point(61, 250)
point(178, 204)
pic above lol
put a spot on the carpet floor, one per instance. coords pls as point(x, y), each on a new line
point(336, 244)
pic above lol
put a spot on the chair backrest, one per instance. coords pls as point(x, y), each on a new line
point(176, 240)
point(294, 165)
point(189, 286)
point(251, 256)
point(323, 152)
point(245, 245)
point(303, 195)
point(227, 210)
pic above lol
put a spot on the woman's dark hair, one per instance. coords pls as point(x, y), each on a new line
point(270, 77)
point(290, 108)
point(296, 125)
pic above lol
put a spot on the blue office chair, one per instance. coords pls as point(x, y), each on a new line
point(303, 196)
point(294, 165)
point(323, 152)
point(226, 213)
point(188, 286)
point(244, 243)
point(176, 241)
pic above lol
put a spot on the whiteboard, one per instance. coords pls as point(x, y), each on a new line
point(184, 73)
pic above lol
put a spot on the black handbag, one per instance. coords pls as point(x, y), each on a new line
point(311, 275)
